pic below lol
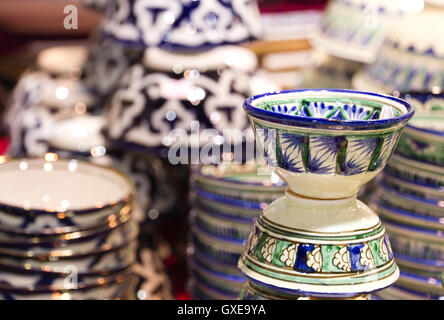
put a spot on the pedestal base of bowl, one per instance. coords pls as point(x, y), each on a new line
point(318, 248)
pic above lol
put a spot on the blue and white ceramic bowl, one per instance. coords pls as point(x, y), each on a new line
point(416, 172)
point(407, 202)
point(182, 25)
point(327, 143)
point(102, 195)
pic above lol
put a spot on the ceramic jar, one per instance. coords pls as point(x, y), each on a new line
point(325, 144)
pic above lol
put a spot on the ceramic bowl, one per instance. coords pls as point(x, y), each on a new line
point(416, 242)
point(355, 29)
point(96, 4)
point(217, 248)
point(416, 172)
point(410, 59)
point(326, 143)
point(409, 188)
point(159, 104)
point(408, 202)
point(107, 288)
point(423, 137)
point(101, 194)
point(403, 216)
point(398, 293)
point(242, 183)
point(420, 267)
point(103, 262)
point(182, 25)
point(430, 288)
point(219, 282)
point(200, 291)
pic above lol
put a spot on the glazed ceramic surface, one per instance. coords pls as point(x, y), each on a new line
point(158, 104)
point(63, 60)
point(410, 58)
point(355, 29)
point(327, 143)
point(182, 25)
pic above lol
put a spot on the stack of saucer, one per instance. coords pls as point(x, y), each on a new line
point(65, 230)
point(227, 200)
point(410, 201)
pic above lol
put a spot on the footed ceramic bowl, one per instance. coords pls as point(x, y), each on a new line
point(423, 137)
point(326, 144)
point(182, 25)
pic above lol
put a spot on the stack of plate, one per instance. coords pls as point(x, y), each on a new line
point(65, 230)
point(227, 200)
point(410, 201)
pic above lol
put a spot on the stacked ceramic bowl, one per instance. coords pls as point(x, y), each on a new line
point(227, 199)
point(65, 230)
point(410, 201)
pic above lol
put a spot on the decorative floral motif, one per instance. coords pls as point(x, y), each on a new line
point(314, 259)
point(288, 255)
point(267, 250)
point(254, 239)
point(341, 259)
point(366, 258)
point(383, 252)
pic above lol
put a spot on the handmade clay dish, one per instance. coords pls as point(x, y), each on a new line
point(180, 25)
point(220, 282)
point(402, 216)
point(424, 207)
point(216, 248)
point(241, 183)
point(338, 140)
point(219, 226)
point(94, 263)
point(101, 193)
point(420, 267)
point(416, 242)
point(113, 287)
point(355, 29)
point(408, 188)
point(91, 238)
point(416, 172)
point(408, 60)
point(109, 238)
point(213, 265)
point(397, 293)
point(222, 209)
point(430, 286)
point(319, 240)
point(200, 291)
point(156, 104)
point(423, 137)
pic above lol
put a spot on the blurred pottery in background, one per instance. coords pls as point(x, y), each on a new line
point(355, 29)
point(410, 59)
point(182, 25)
point(162, 102)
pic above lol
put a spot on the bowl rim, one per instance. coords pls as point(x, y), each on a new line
point(330, 124)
